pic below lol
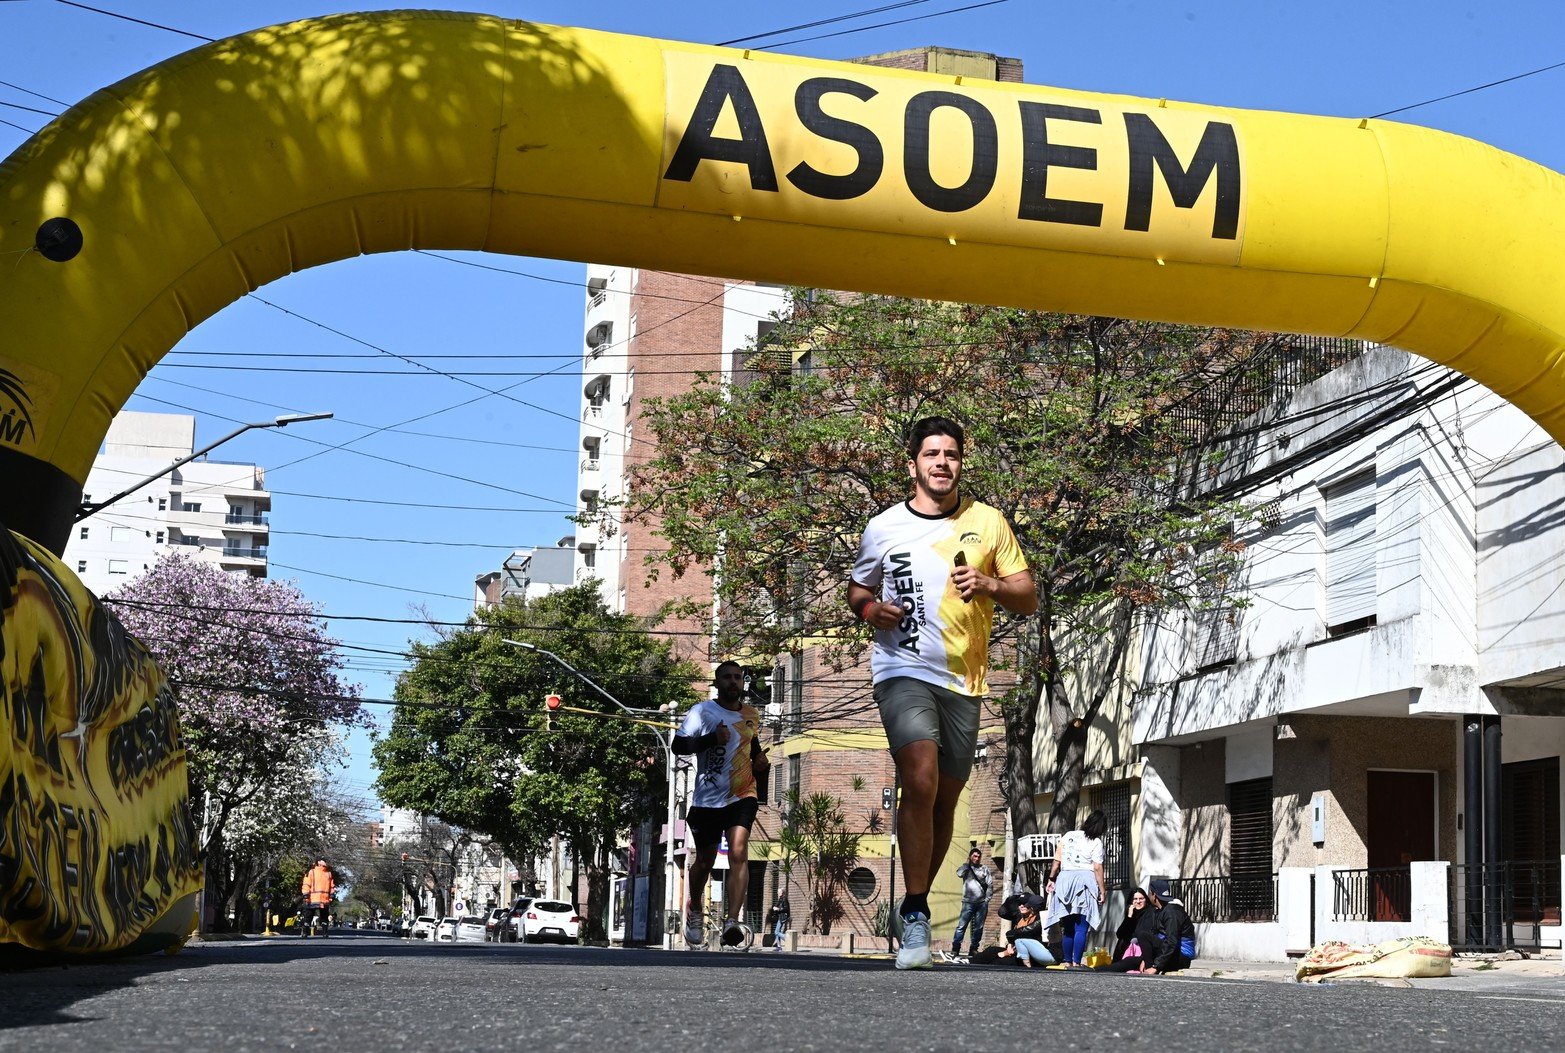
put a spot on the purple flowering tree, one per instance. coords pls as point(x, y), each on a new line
point(262, 706)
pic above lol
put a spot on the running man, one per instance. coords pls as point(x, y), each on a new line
point(929, 573)
point(721, 733)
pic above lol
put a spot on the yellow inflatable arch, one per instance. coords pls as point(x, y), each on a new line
point(244, 160)
point(155, 202)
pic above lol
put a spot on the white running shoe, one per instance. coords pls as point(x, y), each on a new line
point(915, 943)
point(695, 935)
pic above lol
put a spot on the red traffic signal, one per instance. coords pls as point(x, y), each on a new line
point(553, 702)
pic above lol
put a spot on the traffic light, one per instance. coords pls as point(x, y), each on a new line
point(551, 706)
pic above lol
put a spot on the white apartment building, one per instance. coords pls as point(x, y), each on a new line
point(526, 574)
point(1381, 719)
point(214, 510)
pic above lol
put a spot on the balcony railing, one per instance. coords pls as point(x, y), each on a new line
point(1504, 905)
point(589, 464)
point(243, 552)
point(241, 519)
point(1373, 894)
point(1243, 898)
point(594, 409)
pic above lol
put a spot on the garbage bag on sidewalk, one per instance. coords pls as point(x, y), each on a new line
point(1406, 957)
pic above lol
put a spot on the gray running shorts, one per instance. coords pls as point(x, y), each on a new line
point(913, 710)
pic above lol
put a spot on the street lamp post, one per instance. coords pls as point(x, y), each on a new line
point(668, 751)
point(89, 508)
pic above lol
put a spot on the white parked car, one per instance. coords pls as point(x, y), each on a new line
point(423, 927)
point(469, 930)
point(445, 932)
point(548, 919)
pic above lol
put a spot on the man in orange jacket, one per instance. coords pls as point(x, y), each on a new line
point(317, 887)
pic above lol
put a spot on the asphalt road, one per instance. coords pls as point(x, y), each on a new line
point(370, 992)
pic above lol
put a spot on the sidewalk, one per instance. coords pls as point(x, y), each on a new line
point(1468, 972)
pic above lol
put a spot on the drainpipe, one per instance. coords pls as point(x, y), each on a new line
point(1472, 832)
point(1491, 822)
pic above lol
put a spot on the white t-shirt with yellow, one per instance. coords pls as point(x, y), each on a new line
point(907, 558)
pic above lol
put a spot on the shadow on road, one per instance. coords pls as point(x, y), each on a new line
point(43, 992)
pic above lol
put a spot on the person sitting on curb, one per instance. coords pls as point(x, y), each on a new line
point(1177, 948)
point(1025, 941)
point(1137, 941)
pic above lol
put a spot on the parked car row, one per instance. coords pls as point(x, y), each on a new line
point(527, 920)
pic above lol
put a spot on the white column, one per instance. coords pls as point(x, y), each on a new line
point(1295, 908)
point(1431, 905)
point(1161, 818)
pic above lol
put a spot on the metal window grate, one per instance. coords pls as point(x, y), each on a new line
point(1115, 803)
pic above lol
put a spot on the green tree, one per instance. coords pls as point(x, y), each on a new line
point(468, 743)
point(1089, 434)
point(815, 836)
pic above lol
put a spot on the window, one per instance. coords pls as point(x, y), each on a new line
point(192, 506)
point(1350, 553)
point(1115, 803)
point(160, 537)
point(81, 566)
point(121, 534)
point(793, 776)
point(630, 385)
point(796, 692)
point(1250, 847)
point(119, 567)
point(589, 558)
point(861, 884)
point(162, 504)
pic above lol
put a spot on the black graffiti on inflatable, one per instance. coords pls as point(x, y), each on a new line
point(97, 843)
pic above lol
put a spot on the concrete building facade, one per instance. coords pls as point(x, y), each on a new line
point(217, 511)
point(1365, 735)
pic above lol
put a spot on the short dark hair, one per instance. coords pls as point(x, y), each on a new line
point(719, 670)
point(924, 427)
point(1096, 824)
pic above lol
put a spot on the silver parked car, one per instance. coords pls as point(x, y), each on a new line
point(469, 930)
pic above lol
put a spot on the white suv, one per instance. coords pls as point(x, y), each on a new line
point(423, 928)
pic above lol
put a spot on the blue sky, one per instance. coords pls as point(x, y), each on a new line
point(515, 464)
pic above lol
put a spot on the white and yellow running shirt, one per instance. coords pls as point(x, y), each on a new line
point(723, 772)
point(907, 558)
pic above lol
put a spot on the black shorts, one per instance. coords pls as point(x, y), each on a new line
point(708, 825)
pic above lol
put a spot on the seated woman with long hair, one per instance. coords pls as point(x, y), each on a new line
point(1025, 940)
point(1137, 934)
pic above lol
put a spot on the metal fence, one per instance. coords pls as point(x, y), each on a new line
point(1373, 894)
point(1231, 898)
point(1504, 905)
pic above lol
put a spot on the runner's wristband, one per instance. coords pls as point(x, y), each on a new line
point(859, 611)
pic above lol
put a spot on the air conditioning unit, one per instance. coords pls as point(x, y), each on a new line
point(774, 711)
